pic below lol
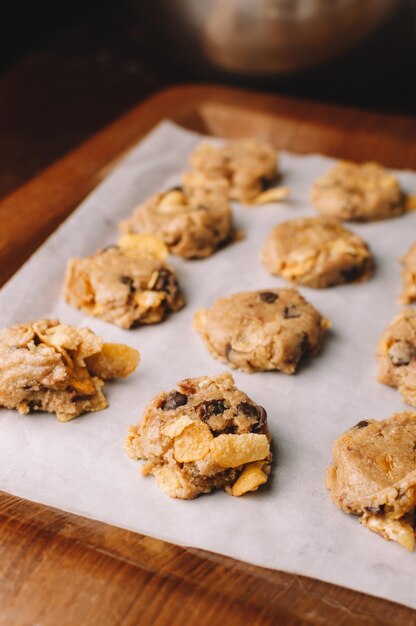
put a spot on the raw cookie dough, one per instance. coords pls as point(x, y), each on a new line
point(47, 366)
point(118, 287)
point(360, 193)
point(203, 435)
point(192, 223)
point(261, 330)
point(316, 252)
point(396, 355)
point(374, 476)
point(241, 169)
point(409, 276)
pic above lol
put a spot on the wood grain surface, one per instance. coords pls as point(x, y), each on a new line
point(58, 568)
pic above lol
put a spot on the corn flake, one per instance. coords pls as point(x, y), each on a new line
point(275, 194)
point(175, 427)
point(235, 450)
point(193, 443)
point(116, 360)
point(141, 245)
point(250, 479)
point(168, 480)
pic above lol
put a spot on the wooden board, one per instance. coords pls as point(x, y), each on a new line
point(58, 568)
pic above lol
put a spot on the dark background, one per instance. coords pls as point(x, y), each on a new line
point(68, 69)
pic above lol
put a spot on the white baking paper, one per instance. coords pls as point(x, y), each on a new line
point(291, 524)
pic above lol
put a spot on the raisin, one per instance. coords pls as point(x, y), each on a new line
point(127, 280)
point(212, 407)
point(362, 424)
point(268, 296)
point(290, 313)
point(174, 400)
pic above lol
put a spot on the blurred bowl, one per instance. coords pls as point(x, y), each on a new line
point(264, 37)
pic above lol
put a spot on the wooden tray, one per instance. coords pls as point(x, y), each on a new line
point(58, 568)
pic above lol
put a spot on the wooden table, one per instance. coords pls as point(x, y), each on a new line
point(58, 568)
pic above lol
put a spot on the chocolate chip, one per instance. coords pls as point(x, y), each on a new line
point(255, 412)
point(34, 406)
point(262, 419)
point(212, 407)
point(304, 344)
point(265, 183)
point(290, 313)
point(268, 296)
point(174, 400)
point(177, 188)
point(127, 280)
point(164, 281)
point(352, 273)
point(36, 340)
point(362, 424)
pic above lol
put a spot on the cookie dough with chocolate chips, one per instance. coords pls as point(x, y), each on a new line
point(192, 223)
point(358, 192)
point(121, 287)
point(205, 434)
point(409, 276)
point(396, 355)
point(261, 330)
point(316, 252)
point(242, 169)
point(374, 476)
point(48, 366)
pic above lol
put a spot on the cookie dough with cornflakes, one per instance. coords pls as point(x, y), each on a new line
point(242, 170)
point(252, 331)
point(203, 435)
point(373, 476)
point(128, 284)
point(193, 223)
point(409, 276)
point(396, 355)
point(358, 192)
point(52, 367)
point(316, 252)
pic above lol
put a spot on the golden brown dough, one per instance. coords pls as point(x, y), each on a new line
point(316, 252)
point(205, 434)
point(52, 367)
point(374, 476)
point(261, 330)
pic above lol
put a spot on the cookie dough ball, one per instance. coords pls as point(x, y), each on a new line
point(261, 330)
point(48, 366)
point(360, 193)
point(374, 476)
point(203, 435)
point(119, 287)
point(409, 276)
point(396, 355)
point(192, 223)
point(316, 252)
point(241, 169)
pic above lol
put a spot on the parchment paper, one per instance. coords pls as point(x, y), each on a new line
point(290, 525)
